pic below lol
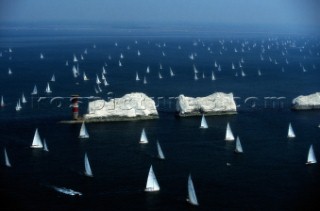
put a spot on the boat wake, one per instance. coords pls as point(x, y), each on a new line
point(67, 191)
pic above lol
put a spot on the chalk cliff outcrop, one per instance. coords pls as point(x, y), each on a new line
point(134, 106)
point(307, 102)
point(215, 104)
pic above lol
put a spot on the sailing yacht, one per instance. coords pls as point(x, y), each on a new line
point(98, 80)
point(238, 146)
point(35, 90)
point(23, 99)
point(120, 64)
point(75, 58)
point(9, 71)
point(144, 80)
point(83, 131)
point(45, 146)
point(104, 71)
point(229, 134)
point(171, 72)
point(192, 197)
point(204, 124)
point(53, 78)
point(291, 133)
point(121, 56)
point(143, 137)
point(18, 106)
point(242, 73)
point(6, 158)
point(159, 75)
point(85, 78)
point(48, 90)
point(160, 66)
point(160, 152)
point(148, 70)
point(87, 167)
point(2, 102)
point(138, 53)
point(36, 143)
point(67, 63)
point(152, 183)
point(311, 156)
point(212, 76)
point(41, 56)
point(259, 72)
point(137, 77)
point(195, 77)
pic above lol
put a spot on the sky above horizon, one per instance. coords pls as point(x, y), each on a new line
point(278, 12)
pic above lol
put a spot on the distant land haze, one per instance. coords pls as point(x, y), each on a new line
point(291, 12)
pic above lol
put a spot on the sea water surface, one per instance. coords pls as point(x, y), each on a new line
point(270, 175)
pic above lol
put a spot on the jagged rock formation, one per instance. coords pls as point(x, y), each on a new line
point(307, 102)
point(215, 104)
point(134, 106)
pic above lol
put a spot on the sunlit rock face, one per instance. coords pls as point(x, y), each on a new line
point(134, 106)
point(307, 102)
point(215, 104)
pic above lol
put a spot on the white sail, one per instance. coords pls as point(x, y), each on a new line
point(104, 70)
point(139, 53)
point(48, 90)
point(105, 82)
point(35, 90)
point(311, 156)
point(229, 134)
point(160, 152)
point(18, 106)
point(45, 146)
point(36, 143)
point(291, 133)
point(160, 66)
point(67, 63)
point(23, 99)
point(2, 102)
point(143, 137)
point(159, 75)
point(74, 71)
point(75, 58)
point(83, 131)
point(53, 78)
point(121, 56)
point(144, 80)
point(9, 71)
point(259, 72)
point(192, 198)
point(87, 168)
point(238, 146)
point(85, 78)
point(212, 76)
point(41, 56)
point(242, 73)
point(152, 183)
point(81, 57)
point(148, 70)
point(137, 77)
point(204, 124)
point(195, 76)
point(98, 80)
point(6, 158)
point(120, 64)
point(171, 72)
point(195, 69)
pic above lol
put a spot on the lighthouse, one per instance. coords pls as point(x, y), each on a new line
point(75, 106)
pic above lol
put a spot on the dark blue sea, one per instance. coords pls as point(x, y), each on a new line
point(270, 175)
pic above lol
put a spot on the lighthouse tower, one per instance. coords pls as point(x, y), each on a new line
point(75, 106)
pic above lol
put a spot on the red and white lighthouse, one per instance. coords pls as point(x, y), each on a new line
point(75, 106)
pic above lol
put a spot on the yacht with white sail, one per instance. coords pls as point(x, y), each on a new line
point(87, 167)
point(203, 124)
point(238, 146)
point(143, 137)
point(291, 133)
point(48, 90)
point(192, 197)
point(229, 135)
point(137, 77)
point(311, 156)
point(152, 183)
point(36, 143)
point(83, 131)
point(35, 90)
point(45, 146)
point(160, 152)
point(6, 158)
